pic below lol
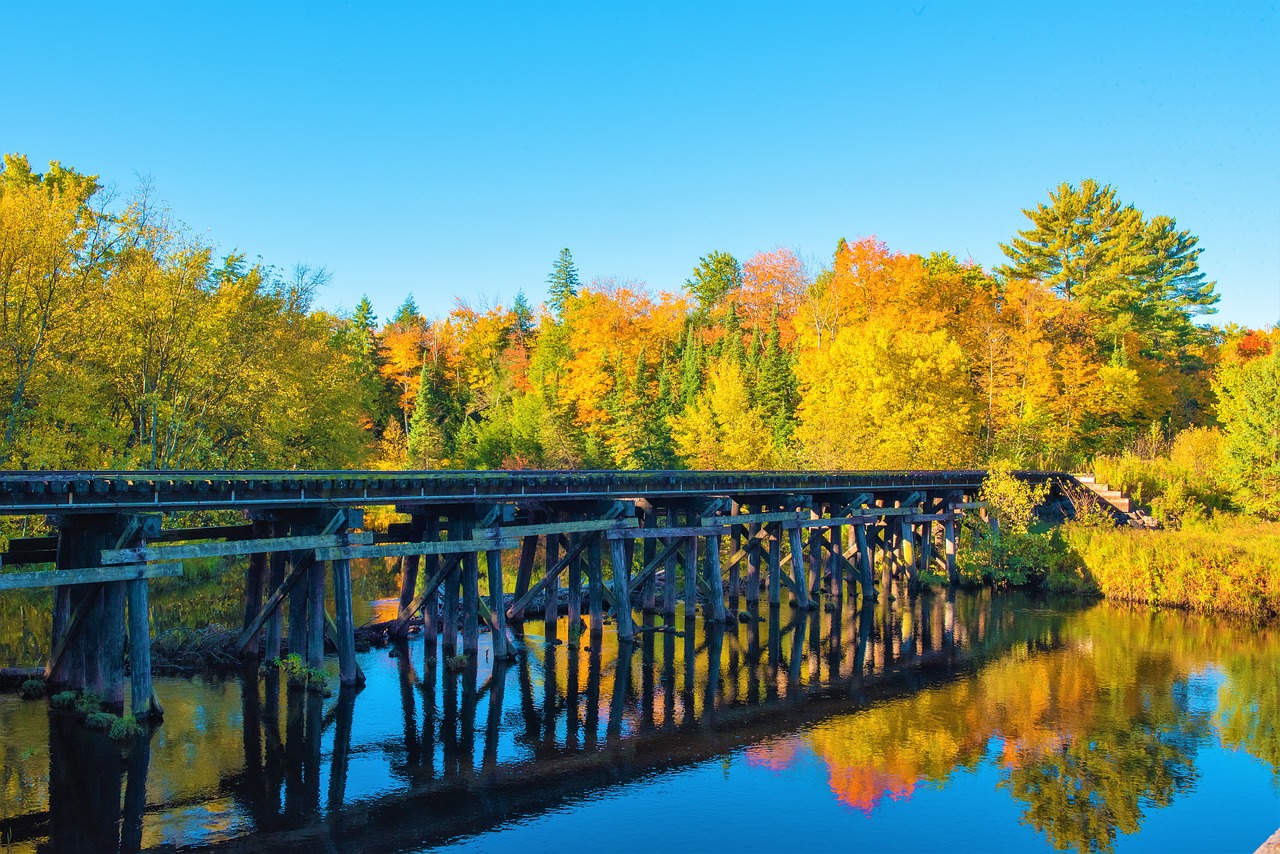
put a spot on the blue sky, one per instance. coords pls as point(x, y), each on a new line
point(453, 149)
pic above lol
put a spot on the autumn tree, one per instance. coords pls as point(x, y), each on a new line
point(714, 278)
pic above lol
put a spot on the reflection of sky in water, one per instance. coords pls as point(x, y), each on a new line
point(1047, 682)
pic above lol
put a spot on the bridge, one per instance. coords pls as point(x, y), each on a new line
point(674, 540)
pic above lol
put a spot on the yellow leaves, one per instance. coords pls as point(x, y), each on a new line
point(722, 429)
point(881, 398)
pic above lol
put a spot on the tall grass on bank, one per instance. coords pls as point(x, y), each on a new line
point(1230, 565)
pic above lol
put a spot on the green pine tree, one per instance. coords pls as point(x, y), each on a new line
point(562, 284)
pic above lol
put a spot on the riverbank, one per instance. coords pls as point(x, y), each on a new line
point(1229, 565)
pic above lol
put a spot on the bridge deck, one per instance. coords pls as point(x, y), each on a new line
point(94, 491)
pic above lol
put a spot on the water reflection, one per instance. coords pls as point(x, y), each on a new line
point(1091, 718)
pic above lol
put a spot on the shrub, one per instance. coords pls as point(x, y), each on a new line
point(87, 703)
point(299, 675)
point(63, 700)
point(455, 663)
point(126, 727)
point(32, 689)
point(100, 720)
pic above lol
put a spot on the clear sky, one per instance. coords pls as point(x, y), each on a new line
point(452, 149)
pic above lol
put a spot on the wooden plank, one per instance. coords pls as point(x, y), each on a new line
point(663, 533)
point(763, 518)
point(146, 554)
point(547, 528)
point(621, 590)
point(213, 532)
point(296, 572)
point(968, 505)
point(92, 575)
point(442, 547)
point(553, 572)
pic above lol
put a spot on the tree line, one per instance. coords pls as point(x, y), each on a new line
point(127, 344)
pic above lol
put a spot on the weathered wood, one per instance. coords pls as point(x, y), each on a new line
point(427, 596)
point(664, 533)
point(753, 563)
point(142, 703)
point(548, 528)
point(866, 575)
point(496, 612)
point(775, 566)
point(690, 576)
point(300, 563)
point(471, 601)
point(550, 583)
point(465, 545)
point(549, 580)
point(621, 589)
point(524, 574)
point(764, 518)
point(815, 561)
point(595, 580)
point(735, 536)
point(574, 585)
point(968, 505)
point(299, 610)
point(797, 569)
point(315, 617)
point(450, 624)
point(275, 620)
point(344, 618)
point(409, 563)
point(146, 554)
point(649, 597)
point(949, 537)
point(715, 590)
point(88, 575)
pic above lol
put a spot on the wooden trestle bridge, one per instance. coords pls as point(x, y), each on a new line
point(849, 534)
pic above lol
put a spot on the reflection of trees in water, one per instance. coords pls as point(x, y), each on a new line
point(1090, 710)
point(1094, 720)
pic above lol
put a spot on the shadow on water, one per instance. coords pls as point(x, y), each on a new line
point(1095, 712)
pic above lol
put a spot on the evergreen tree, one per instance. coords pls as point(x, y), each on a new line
point(562, 284)
point(407, 314)
point(714, 278)
point(437, 420)
point(524, 315)
point(364, 322)
point(778, 388)
point(691, 362)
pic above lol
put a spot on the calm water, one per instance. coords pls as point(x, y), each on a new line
point(989, 722)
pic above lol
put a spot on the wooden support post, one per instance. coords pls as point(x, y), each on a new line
point(649, 594)
point(275, 621)
point(622, 589)
point(431, 601)
point(409, 570)
point(735, 543)
point(797, 569)
point(815, 560)
point(926, 545)
point(714, 581)
point(595, 582)
point(143, 704)
point(882, 544)
point(949, 536)
point(907, 547)
point(866, 578)
point(298, 607)
point(551, 588)
point(497, 615)
point(753, 563)
point(669, 574)
point(315, 615)
point(690, 577)
point(452, 579)
point(775, 563)
point(344, 623)
point(575, 586)
point(470, 598)
point(254, 580)
point(524, 573)
point(836, 542)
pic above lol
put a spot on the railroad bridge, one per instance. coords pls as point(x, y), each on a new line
point(668, 538)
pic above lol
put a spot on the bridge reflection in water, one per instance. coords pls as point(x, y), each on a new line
point(887, 698)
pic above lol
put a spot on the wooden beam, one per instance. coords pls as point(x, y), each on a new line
point(146, 554)
point(442, 547)
point(297, 570)
point(93, 575)
point(548, 528)
point(663, 533)
point(763, 518)
point(428, 590)
point(552, 573)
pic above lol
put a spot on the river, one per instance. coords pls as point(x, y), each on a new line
point(975, 722)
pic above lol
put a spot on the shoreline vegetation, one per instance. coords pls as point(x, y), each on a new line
point(129, 344)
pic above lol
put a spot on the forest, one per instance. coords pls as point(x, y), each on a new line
point(126, 343)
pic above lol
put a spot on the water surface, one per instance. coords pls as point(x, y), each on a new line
point(975, 722)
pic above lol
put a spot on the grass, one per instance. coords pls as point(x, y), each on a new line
point(299, 675)
point(1227, 565)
